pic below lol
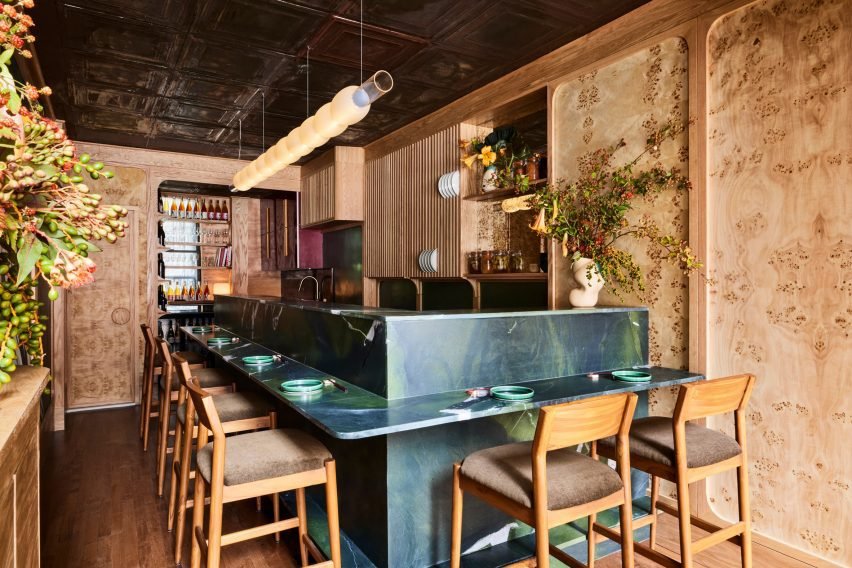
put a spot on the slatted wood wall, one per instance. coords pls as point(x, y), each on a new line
point(405, 214)
point(318, 196)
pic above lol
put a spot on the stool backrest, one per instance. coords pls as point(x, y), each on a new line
point(710, 398)
point(184, 375)
point(205, 410)
point(587, 420)
point(150, 347)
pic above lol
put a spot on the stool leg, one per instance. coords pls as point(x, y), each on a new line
point(176, 459)
point(626, 511)
point(591, 541)
point(146, 415)
point(276, 514)
point(745, 514)
point(214, 532)
point(458, 504)
point(303, 525)
point(655, 494)
point(197, 521)
point(142, 402)
point(684, 514)
point(331, 510)
point(162, 444)
point(542, 539)
point(183, 490)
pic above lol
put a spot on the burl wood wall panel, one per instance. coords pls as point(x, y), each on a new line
point(405, 214)
point(780, 169)
point(629, 99)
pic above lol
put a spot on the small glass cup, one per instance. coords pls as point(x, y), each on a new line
point(501, 261)
point(516, 263)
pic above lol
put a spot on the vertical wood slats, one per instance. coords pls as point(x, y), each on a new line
point(318, 196)
point(405, 214)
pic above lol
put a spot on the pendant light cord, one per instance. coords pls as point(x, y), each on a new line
point(361, 39)
point(263, 121)
point(240, 147)
point(308, 89)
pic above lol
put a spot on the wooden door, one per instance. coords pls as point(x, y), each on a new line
point(286, 231)
point(102, 327)
point(268, 258)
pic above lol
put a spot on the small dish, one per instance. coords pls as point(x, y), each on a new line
point(218, 341)
point(512, 393)
point(202, 329)
point(632, 376)
point(258, 360)
point(302, 386)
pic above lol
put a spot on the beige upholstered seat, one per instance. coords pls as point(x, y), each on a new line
point(235, 406)
point(209, 377)
point(265, 455)
point(191, 357)
point(653, 439)
point(572, 478)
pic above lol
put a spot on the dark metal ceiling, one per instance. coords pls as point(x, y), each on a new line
point(179, 74)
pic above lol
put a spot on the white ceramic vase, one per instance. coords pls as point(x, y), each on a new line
point(590, 285)
point(489, 179)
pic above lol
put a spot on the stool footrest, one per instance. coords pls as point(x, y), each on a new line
point(700, 523)
point(565, 558)
point(262, 530)
point(720, 535)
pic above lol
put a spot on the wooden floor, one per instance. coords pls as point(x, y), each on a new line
point(99, 508)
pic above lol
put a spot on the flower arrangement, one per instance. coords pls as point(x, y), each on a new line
point(588, 216)
point(505, 150)
point(48, 216)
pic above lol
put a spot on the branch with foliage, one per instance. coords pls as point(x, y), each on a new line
point(588, 216)
point(504, 149)
point(48, 217)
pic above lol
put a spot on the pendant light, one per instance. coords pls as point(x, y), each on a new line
point(348, 107)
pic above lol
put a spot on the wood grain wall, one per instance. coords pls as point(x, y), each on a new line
point(405, 214)
point(780, 169)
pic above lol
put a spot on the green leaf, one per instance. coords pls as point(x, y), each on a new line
point(6, 56)
point(28, 256)
point(14, 103)
point(7, 133)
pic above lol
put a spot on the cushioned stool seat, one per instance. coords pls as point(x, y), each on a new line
point(235, 406)
point(208, 378)
point(265, 455)
point(191, 357)
point(572, 478)
point(653, 439)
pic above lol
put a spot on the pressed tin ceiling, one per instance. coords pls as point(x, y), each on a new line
point(180, 74)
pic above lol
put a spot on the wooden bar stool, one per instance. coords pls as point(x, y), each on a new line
point(252, 465)
point(216, 381)
point(239, 412)
point(547, 483)
point(674, 450)
point(153, 368)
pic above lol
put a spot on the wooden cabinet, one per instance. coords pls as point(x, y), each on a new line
point(278, 234)
point(332, 190)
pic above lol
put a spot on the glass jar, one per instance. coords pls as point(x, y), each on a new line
point(516, 263)
point(486, 261)
point(532, 167)
point(501, 261)
point(473, 262)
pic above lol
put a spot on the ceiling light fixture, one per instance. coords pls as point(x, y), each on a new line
point(348, 107)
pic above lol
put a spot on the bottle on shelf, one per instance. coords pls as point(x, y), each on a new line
point(206, 294)
point(542, 254)
point(160, 329)
point(203, 209)
point(190, 296)
point(224, 209)
point(161, 234)
point(161, 266)
point(217, 211)
point(170, 333)
point(190, 209)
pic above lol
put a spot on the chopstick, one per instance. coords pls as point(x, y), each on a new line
point(337, 385)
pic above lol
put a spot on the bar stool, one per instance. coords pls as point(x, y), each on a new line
point(546, 483)
point(216, 381)
point(252, 465)
point(683, 453)
point(239, 412)
point(153, 368)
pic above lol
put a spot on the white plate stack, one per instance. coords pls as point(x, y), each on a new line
point(448, 185)
point(428, 260)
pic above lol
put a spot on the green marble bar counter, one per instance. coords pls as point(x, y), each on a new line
point(395, 456)
point(400, 354)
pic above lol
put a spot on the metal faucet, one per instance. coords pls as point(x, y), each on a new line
point(316, 296)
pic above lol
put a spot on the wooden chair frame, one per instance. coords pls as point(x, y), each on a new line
point(562, 426)
point(220, 494)
point(149, 374)
point(167, 396)
point(182, 456)
point(696, 401)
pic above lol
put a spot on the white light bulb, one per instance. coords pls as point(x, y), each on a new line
point(310, 135)
point(325, 125)
point(343, 107)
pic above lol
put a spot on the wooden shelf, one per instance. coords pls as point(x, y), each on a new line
point(501, 193)
point(190, 303)
point(165, 217)
point(168, 244)
point(509, 277)
point(199, 267)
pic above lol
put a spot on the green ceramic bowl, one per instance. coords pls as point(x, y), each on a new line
point(258, 360)
point(632, 376)
point(302, 386)
point(218, 341)
point(202, 329)
point(512, 393)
